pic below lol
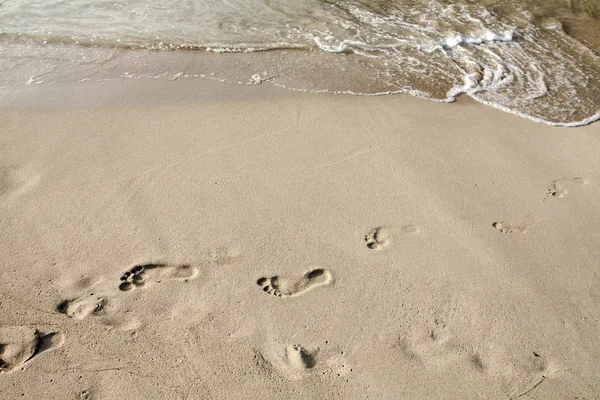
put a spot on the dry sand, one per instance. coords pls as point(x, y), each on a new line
point(198, 240)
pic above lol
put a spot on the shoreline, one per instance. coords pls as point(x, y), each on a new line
point(317, 72)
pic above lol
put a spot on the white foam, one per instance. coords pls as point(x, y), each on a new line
point(429, 49)
point(457, 40)
point(574, 124)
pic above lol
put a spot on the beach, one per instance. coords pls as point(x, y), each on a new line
point(195, 239)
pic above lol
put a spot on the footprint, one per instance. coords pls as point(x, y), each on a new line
point(377, 238)
point(438, 349)
point(83, 307)
point(141, 275)
point(509, 229)
point(298, 362)
point(301, 358)
point(19, 344)
point(560, 187)
point(285, 288)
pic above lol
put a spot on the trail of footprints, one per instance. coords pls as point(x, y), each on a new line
point(436, 348)
point(139, 276)
point(558, 188)
point(145, 275)
point(19, 345)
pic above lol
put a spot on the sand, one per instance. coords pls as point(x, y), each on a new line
point(200, 240)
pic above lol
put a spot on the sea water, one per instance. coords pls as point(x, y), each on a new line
point(536, 58)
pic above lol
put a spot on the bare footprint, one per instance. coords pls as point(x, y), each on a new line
point(83, 307)
point(561, 187)
point(92, 304)
point(437, 348)
point(148, 274)
point(509, 229)
point(297, 362)
point(301, 358)
point(19, 344)
point(286, 288)
point(377, 238)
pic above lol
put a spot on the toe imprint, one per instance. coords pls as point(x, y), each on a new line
point(561, 187)
point(140, 275)
point(377, 238)
point(300, 358)
point(509, 229)
point(288, 288)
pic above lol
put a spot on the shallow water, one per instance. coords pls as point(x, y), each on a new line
point(535, 58)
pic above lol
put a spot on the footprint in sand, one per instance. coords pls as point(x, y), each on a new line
point(98, 307)
point(508, 229)
point(83, 307)
point(147, 274)
point(435, 352)
point(20, 344)
point(282, 287)
point(300, 358)
point(297, 362)
point(561, 187)
point(378, 238)
point(436, 348)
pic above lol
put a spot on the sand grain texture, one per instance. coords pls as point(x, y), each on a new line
point(200, 240)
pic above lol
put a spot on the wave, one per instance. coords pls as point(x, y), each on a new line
point(510, 58)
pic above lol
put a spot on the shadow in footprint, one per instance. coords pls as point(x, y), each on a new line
point(282, 287)
point(19, 345)
point(296, 362)
point(146, 274)
point(301, 358)
point(377, 239)
point(561, 187)
point(509, 229)
point(83, 307)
